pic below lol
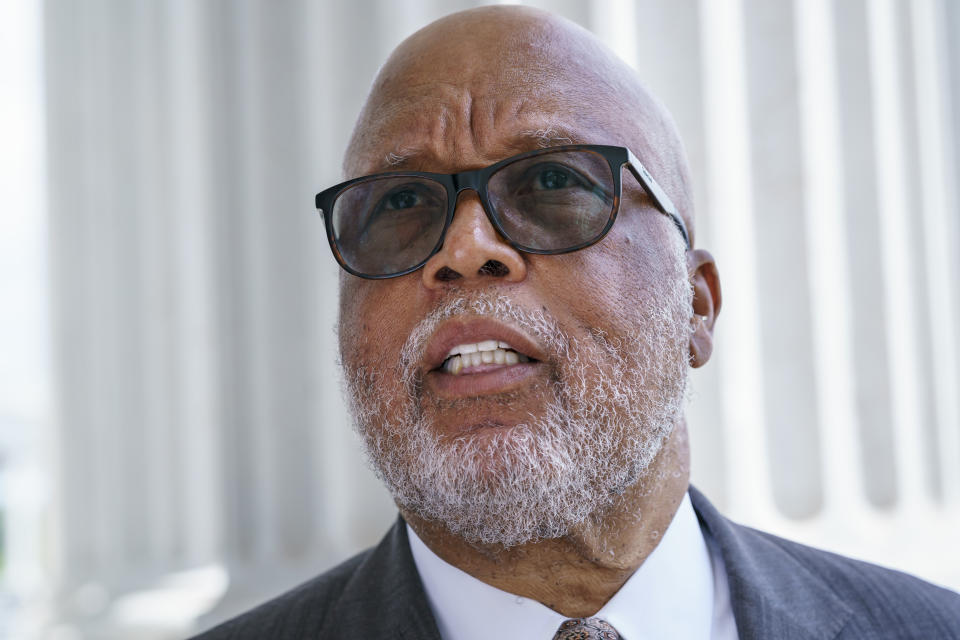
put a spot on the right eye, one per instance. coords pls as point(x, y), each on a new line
point(399, 200)
point(404, 211)
point(406, 198)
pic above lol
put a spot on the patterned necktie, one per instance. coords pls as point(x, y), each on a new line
point(586, 629)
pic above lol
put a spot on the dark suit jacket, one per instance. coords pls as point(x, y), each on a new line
point(778, 589)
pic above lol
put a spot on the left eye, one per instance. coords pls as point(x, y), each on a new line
point(553, 179)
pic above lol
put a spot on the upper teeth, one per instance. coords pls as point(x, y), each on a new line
point(477, 353)
point(474, 347)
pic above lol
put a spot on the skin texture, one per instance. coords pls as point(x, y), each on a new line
point(462, 93)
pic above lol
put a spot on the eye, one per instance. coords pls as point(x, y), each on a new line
point(398, 200)
point(553, 179)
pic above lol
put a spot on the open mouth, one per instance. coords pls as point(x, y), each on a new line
point(478, 357)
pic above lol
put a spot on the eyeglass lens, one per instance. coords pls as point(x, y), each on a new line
point(553, 201)
point(547, 202)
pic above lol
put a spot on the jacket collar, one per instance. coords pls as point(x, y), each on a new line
point(384, 597)
point(773, 592)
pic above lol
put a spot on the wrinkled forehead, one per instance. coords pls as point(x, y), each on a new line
point(445, 126)
point(478, 86)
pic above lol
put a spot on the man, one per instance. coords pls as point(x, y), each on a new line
point(518, 309)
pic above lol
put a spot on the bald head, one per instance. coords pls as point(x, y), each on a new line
point(492, 81)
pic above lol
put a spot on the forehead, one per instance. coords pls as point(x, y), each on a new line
point(447, 127)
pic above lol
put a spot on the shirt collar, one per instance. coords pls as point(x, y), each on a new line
point(670, 595)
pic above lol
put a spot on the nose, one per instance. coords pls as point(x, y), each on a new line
point(472, 250)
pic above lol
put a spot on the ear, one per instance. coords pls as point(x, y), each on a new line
point(702, 271)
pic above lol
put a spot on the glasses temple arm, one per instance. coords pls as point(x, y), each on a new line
point(660, 198)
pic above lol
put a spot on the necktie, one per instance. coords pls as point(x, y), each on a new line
point(586, 629)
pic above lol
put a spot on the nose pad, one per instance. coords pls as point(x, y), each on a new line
point(472, 249)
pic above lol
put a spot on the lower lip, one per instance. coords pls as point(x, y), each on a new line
point(483, 382)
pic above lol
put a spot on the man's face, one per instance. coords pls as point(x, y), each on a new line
point(508, 453)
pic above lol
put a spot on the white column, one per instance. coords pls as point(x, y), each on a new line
point(582, 13)
point(25, 367)
point(897, 264)
point(938, 196)
point(830, 287)
point(298, 496)
point(192, 198)
point(615, 23)
point(729, 189)
point(864, 252)
point(354, 509)
point(790, 400)
point(668, 57)
point(82, 285)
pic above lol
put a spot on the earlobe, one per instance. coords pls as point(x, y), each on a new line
point(701, 343)
point(707, 299)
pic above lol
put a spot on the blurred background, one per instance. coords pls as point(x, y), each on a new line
point(174, 447)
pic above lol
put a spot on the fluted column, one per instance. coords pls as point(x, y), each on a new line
point(669, 57)
point(831, 289)
point(730, 206)
point(936, 165)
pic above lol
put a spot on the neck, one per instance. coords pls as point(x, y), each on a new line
point(577, 574)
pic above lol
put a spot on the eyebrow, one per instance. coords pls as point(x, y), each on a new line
point(402, 156)
point(554, 136)
point(397, 157)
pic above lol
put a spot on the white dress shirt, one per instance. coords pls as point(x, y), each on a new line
point(680, 591)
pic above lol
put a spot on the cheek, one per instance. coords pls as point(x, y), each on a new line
point(372, 318)
point(605, 286)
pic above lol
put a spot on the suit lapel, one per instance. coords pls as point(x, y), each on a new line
point(773, 593)
point(384, 599)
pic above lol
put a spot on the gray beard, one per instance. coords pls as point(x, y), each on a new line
point(613, 401)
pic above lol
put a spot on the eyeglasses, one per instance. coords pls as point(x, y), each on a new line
point(548, 201)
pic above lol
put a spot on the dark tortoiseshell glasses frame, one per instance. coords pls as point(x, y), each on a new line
point(478, 179)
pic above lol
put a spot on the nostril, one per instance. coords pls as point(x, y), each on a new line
point(446, 274)
point(493, 268)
